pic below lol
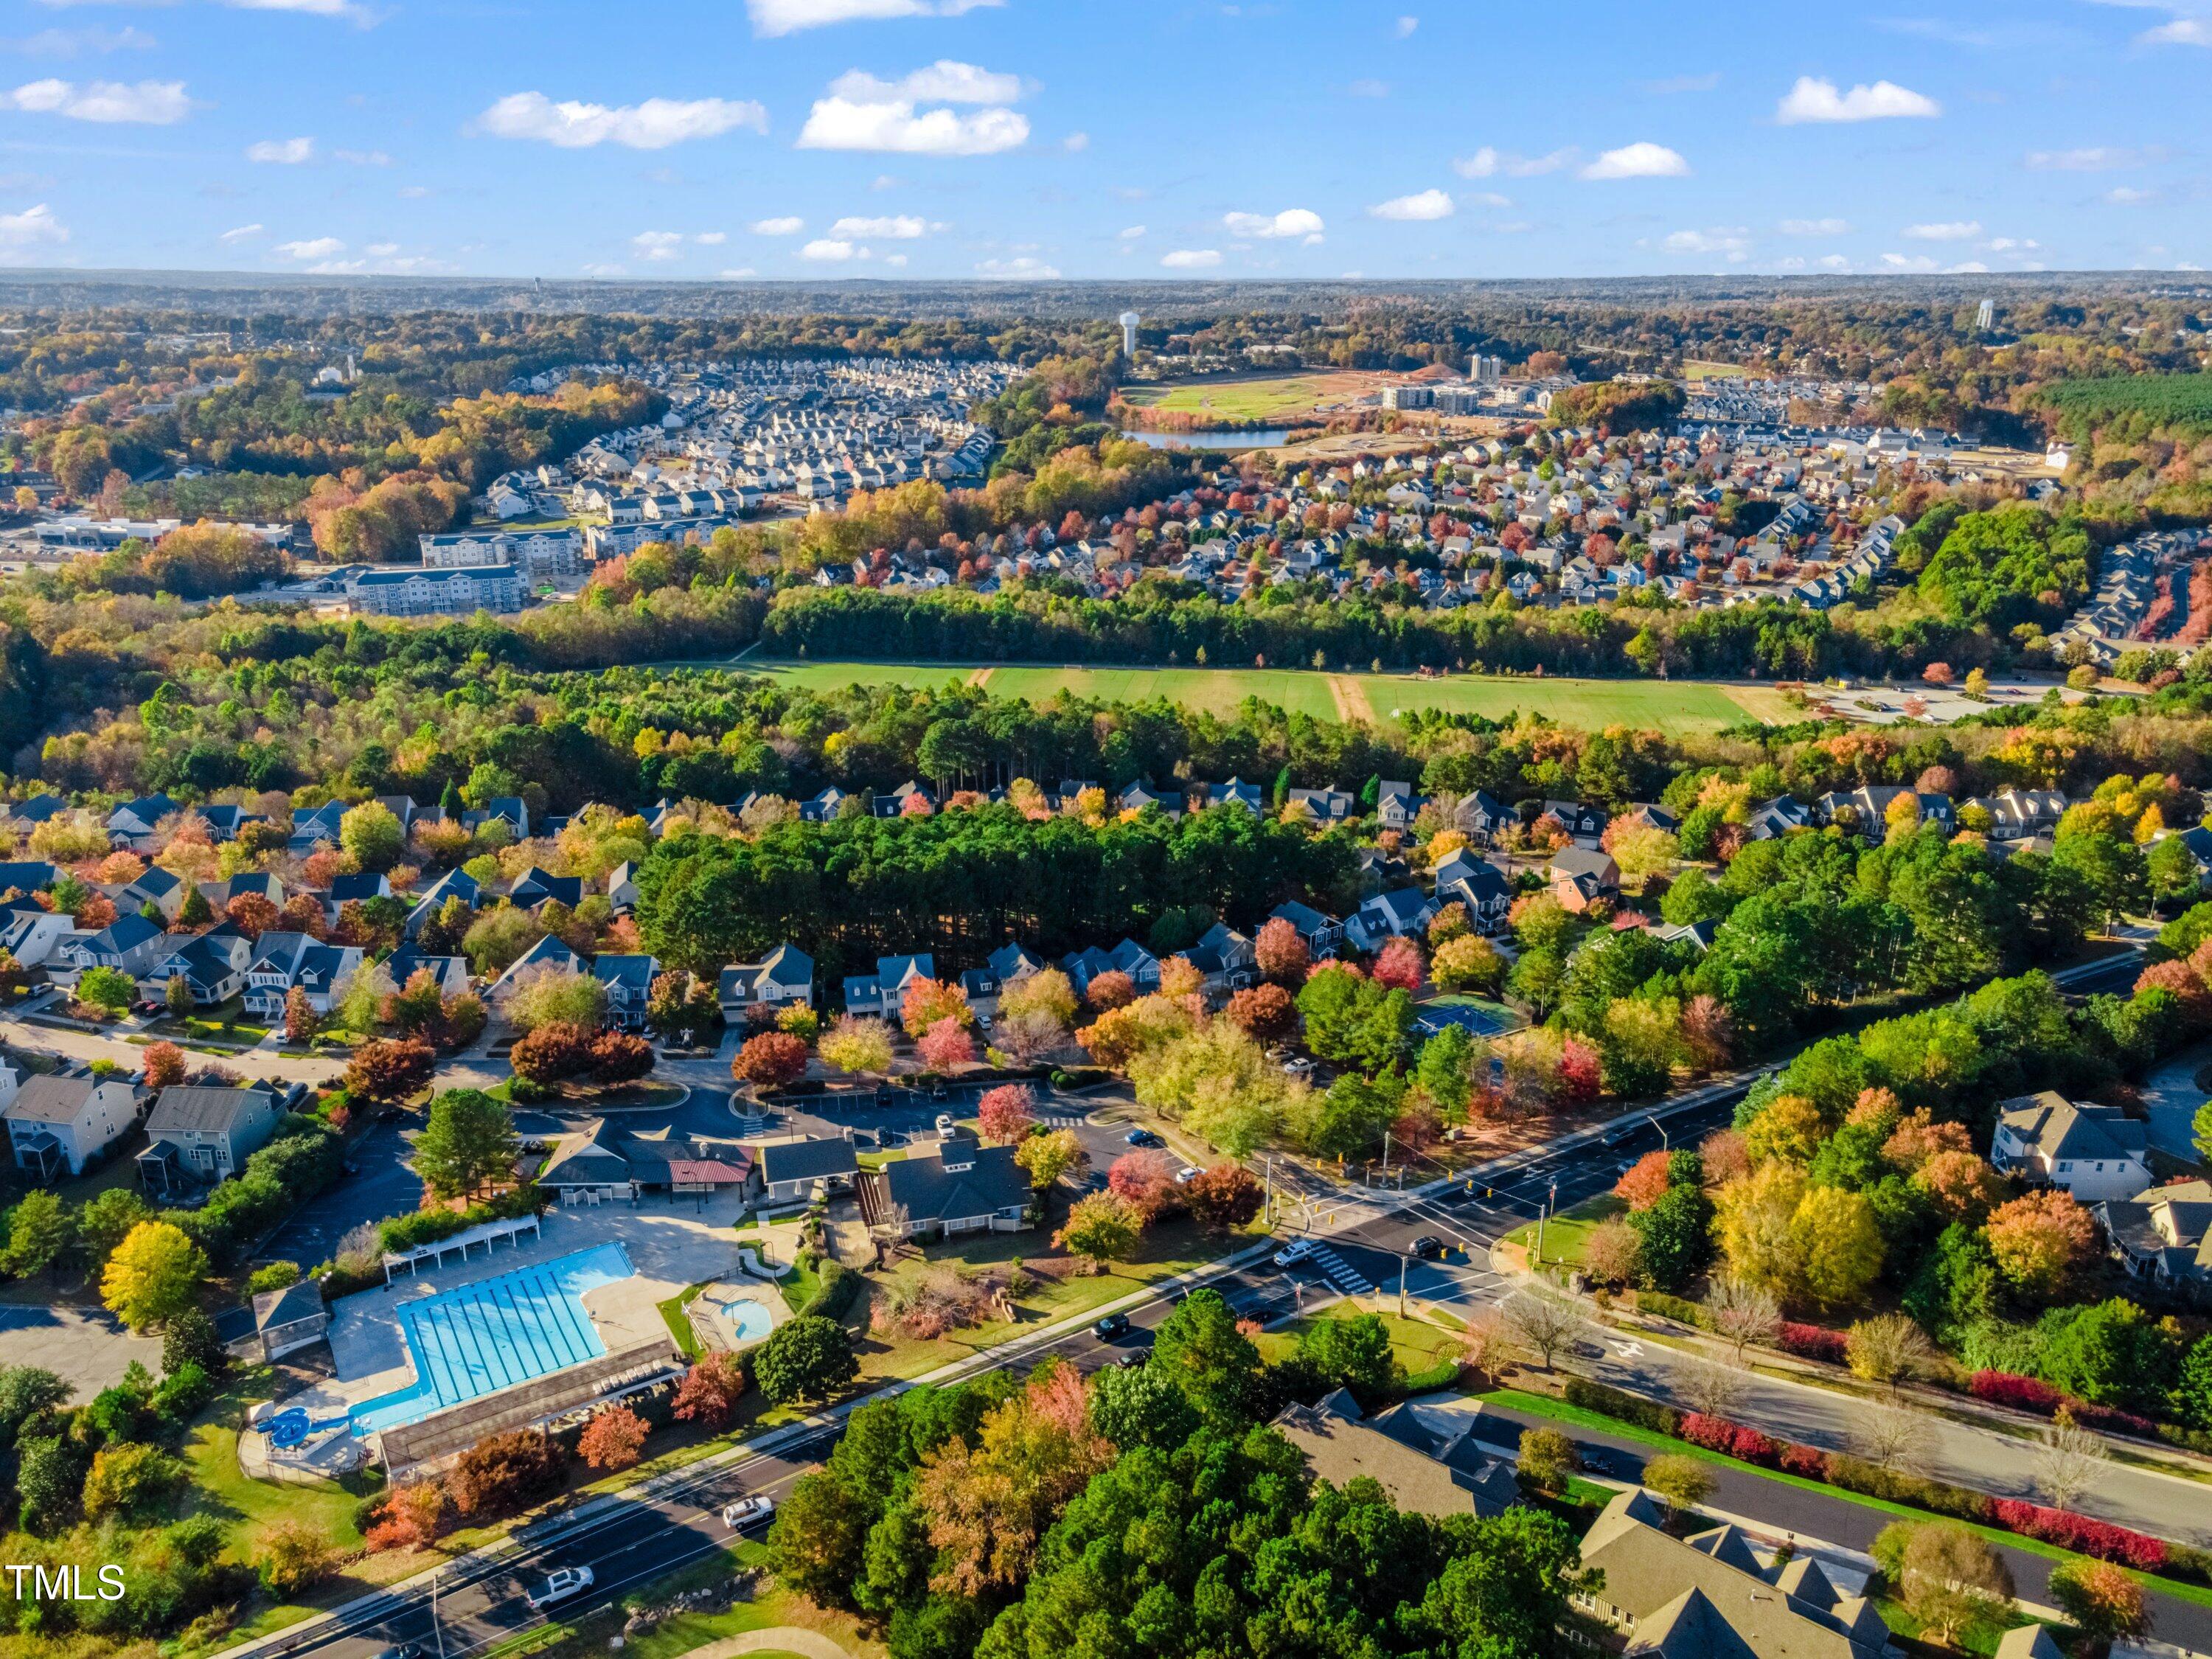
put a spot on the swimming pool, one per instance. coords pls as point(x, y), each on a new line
point(477, 1338)
point(747, 1319)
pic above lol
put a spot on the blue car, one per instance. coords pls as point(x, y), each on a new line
point(1143, 1138)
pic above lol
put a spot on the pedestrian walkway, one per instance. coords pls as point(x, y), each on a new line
point(1340, 1272)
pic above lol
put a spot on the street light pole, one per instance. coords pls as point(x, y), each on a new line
point(1653, 1118)
point(1404, 1260)
point(1542, 1217)
point(436, 1625)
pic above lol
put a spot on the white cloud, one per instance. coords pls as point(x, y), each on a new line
point(240, 233)
point(712, 238)
point(788, 16)
point(1731, 242)
point(942, 83)
point(1191, 258)
point(1487, 162)
point(1025, 267)
point(1406, 26)
point(606, 271)
point(1813, 227)
point(311, 7)
point(2180, 32)
point(1131, 233)
point(319, 247)
point(1908, 262)
point(1642, 159)
point(900, 228)
point(1815, 100)
point(829, 251)
point(1076, 142)
point(738, 273)
point(1833, 262)
point(68, 42)
point(1422, 204)
point(361, 158)
point(282, 152)
point(382, 250)
point(653, 244)
point(2123, 196)
point(1948, 230)
point(893, 125)
point(1967, 268)
point(2100, 158)
point(33, 228)
point(2007, 243)
point(654, 124)
point(787, 226)
point(150, 103)
point(1291, 221)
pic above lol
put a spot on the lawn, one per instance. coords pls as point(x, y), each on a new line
point(1566, 1234)
point(1673, 706)
point(1267, 397)
point(679, 1322)
point(1419, 1346)
point(1165, 1249)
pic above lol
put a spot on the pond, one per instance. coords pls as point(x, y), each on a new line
point(1266, 439)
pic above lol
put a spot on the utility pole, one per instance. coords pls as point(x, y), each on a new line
point(1385, 1155)
point(1404, 1260)
point(436, 1624)
point(1267, 1205)
point(1542, 1217)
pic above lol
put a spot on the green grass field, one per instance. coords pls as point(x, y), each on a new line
point(1674, 706)
point(1271, 398)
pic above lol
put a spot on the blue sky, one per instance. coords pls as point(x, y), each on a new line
point(1083, 138)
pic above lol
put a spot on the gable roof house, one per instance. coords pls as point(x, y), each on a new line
point(622, 888)
point(29, 932)
point(956, 1187)
point(1707, 1597)
point(199, 1136)
point(127, 944)
point(535, 887)
point(1580, 877)
point(212, 966)
point(454, 883)
point(162, 888)
point(1423, 1470)
point(58, 1125)
point(1128, 957)
point(1224, 957)
point(628, 980)
point(1389, 916)
point(1581, 822)
point(452, 973)
point(356, 888)
point(2164, 1234)
point(1482, 815)
point(282, 961)
point(598, 1163)
point(783, 977)
point(132, 822)
point(1320, 933)
point(1479, 885)
point(1235, 792)
point(549, 954)
point(1329, 807)
point(1396, 806)
point(1772, 819)
point(2095, 1152)
point(882, 991)
point(312, 826)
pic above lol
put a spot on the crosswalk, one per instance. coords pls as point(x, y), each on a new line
point(1338, 1271)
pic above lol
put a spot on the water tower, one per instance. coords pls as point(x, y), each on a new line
point(1129, 321)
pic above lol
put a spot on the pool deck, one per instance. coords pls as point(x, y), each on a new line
point(673, 1244)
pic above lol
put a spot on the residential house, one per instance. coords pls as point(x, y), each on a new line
point(199, 1136)
point(1436, 1471)
point(909, 797)
point(258, 882)
point(956, 1187)
point(510, 810)
point(284, 960)
point(161, 890)
point(535, 888)
point(29, 932)
point(1142, 797)
point(1707, 1596)
point(1226, 957)
point(451, 973)
point(1396, 806)
point(1479, 885)
point(133, 822)
point(212, 965)
point(1328, 807)
point(1235, 792)
point(1867, 808)
point(1006, 967)
point(754, 990)
point(622, 888)
point(2017, 814)
point(1482, 815)
point(58, 1125)
point(1581, 823)
point(2095, 1152)
point(2164, 1234)
point(547, 956)
point(1772, 819)
point(314, 826)
point(884, 991)
point(1320, 934)
point(356, 888)
point(27, 875)
point(1128, 957)
point(1580, 876)
point(628, 980)
point(454, 883)
point(1394, 914)
point(792, 1171)
point(127, 944)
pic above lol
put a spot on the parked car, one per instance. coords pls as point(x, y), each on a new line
point(1293, 1253)
point(747, 1511)
point(1143, 1138)
point(1114, 1325)
point(947, 1124)
point(1134, 1358)
point(1299, 1067)
point(560, 1584)
point(1186, 1174)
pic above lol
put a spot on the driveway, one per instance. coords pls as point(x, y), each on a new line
point(88, 1346)
point(2171, 1097)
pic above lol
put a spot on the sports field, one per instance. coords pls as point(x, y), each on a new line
point(1680, 706)
point(1270, 397)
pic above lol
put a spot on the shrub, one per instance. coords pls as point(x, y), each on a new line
point(2081, 1534)
point(1613, 1402)
point(1815, 1342)
point(1809, 1461)
point(2025, 1394)
point(502, 1473)
point(1671, 1307)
